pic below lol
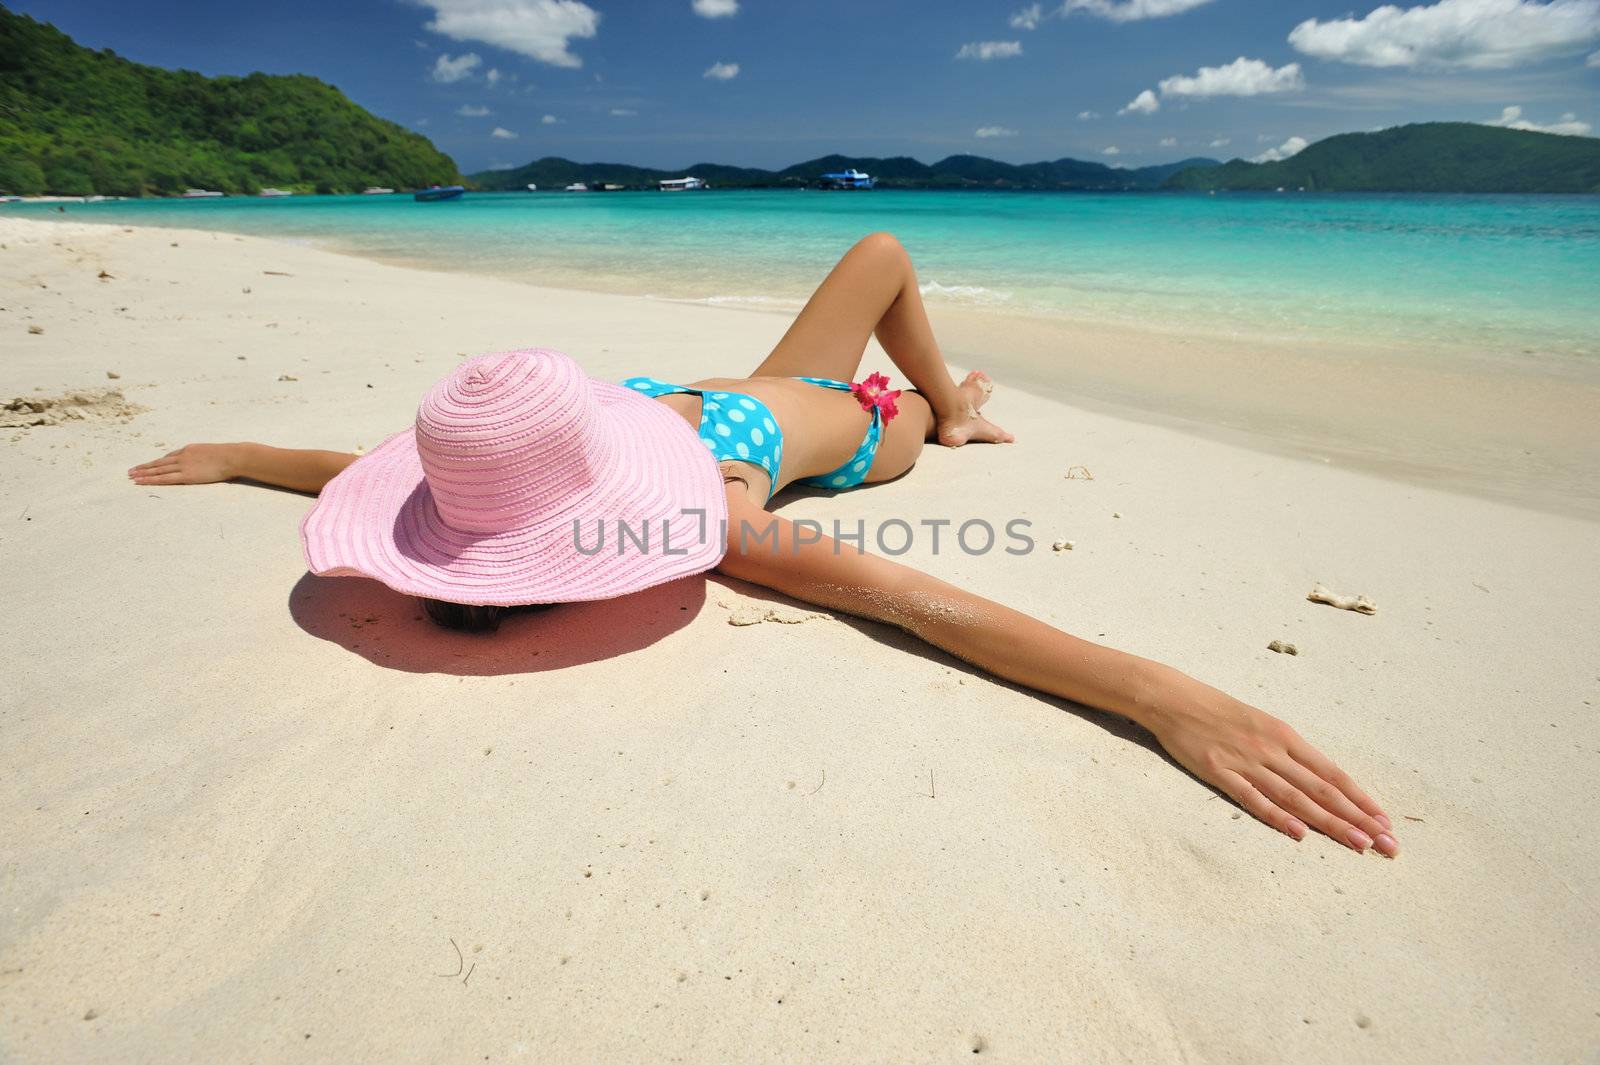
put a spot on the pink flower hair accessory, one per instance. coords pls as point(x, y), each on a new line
point(874, 395)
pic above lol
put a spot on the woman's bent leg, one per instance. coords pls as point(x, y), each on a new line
point(873, 291)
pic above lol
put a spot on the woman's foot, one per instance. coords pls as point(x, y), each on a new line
point(967, 425)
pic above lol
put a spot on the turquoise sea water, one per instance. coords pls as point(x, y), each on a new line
point(1501, 275)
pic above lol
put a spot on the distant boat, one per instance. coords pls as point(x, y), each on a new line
point(848, 179)
point(682, 184)
point(202, 194)
point(10, 199)
point(577, 186)
point(532, 187)
point(438, 192)
point(274, 192)
point(376, 190)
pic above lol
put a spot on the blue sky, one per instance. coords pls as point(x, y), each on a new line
point(751, 82)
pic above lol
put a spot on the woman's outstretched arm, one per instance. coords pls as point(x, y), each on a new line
point(297, 469)
point(1254, 758)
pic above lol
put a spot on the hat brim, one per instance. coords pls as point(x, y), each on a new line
point(377, 519)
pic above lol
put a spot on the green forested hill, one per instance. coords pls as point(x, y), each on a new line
point(75, 122)
point(1428, 157)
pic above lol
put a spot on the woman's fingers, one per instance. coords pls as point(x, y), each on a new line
point(1285, 794)
point(174, 477)
point(1323, 766)
point(1260, 807)
point(1336, 802)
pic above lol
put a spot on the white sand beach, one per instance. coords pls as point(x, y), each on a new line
point(252, 815)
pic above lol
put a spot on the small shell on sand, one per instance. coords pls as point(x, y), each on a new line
point(1063, 545)
point(1283, 648)
point(287, 377)
point(36, 329)
point(1359, 603)
point(112, 375)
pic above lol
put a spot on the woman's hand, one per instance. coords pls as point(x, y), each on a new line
point(190, 464)
point(1264, 766)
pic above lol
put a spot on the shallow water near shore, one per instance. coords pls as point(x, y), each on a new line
point(1495, 274)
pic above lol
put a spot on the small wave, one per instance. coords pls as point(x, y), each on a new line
point(727, 301)
point(963, 293)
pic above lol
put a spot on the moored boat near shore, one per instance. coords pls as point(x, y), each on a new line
point(434, 193)
point(376, 190)
point(847, 179)
point(202, 194)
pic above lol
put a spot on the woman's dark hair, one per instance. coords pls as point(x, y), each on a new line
point(474, 618)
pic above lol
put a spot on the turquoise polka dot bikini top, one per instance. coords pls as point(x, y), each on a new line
point(737, 427)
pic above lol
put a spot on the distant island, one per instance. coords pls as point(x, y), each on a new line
point(1426, 157)
point(898, 172)
point(78, 122)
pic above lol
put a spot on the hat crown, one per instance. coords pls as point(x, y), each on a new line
point(510, 438)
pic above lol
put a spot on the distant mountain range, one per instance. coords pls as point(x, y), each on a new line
point(74, 121)
point(955, 172)
point(1427, 157)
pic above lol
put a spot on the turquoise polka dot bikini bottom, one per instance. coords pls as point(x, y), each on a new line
point(737, 427)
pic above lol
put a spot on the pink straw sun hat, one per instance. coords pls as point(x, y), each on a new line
point(478, 503)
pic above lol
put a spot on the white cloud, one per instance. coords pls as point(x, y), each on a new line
point(1088, 116)
point(447, 70)
point(1593, 60)
point(1569, 126)
point(539, 29)
point(1222, 142)
point(994, 131)
point(722, 71)
point(1028, 18)
point(502, 166)
point(549, 120)
point(1292, 146)
point(623, 112)
point(1475, 34)
point(1113, 150)
point(1132, 10)
point(503, 134)
point(715, 8)
point(1169, 142)
point(1242, 77)
point(472, 110)
point(1144, 104)
point(985, 50)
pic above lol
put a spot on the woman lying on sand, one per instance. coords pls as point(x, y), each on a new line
point(519, 465)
